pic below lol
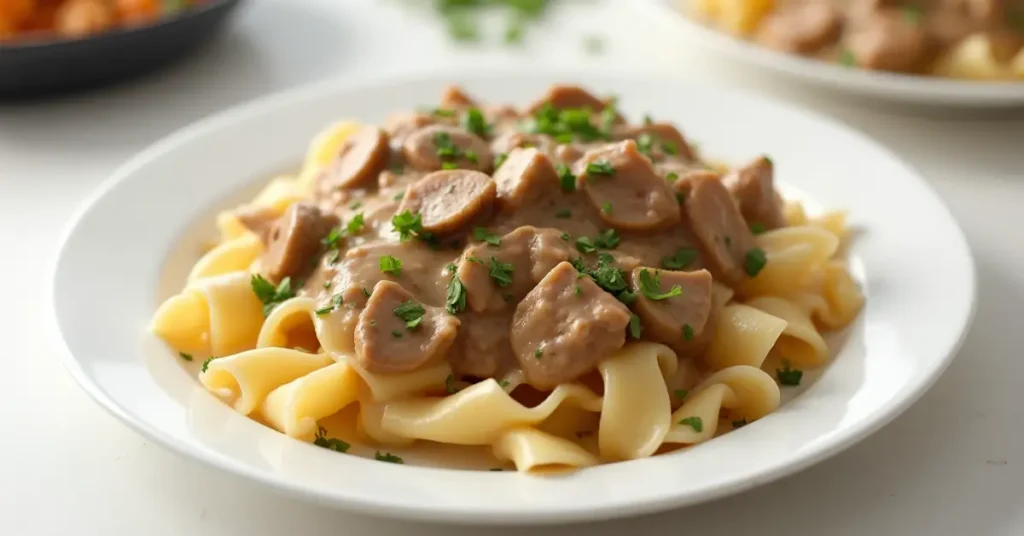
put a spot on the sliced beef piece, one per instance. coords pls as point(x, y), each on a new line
point(626, 191)
point(433, 147)
point(753, 187)
point(400, 126)
point(526, 176)
point(293, 245)
point(801, 29)
point(449, 201)
point(677, 321)
point(659, 140)
point(454, 98)
point(683, 184)
point(395, 333)
point(561, 97)
point(564, 327)
point(259, 220)
point(720, 228)
point(363, 156)
point(482, 349)
point(525, 255)
point(509, 141)
point(887, 41)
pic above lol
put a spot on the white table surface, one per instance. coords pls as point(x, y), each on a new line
point(951, 465)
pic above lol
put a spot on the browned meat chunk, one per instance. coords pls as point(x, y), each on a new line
point(677, 321)
point(753, 186)
point(259, 220)
point(439, 146)
point(482, 349)
point(887, 41)
point(496, 277)
point(454, 98)
point(626, 190)
point(396, 334)
point(564, 327)
point(659, 140)
point(683, 184)
point(363, 155)
point(561, 97)
point(450, 200)
point(802, 29)
point(718, 225)
point(526, 176)
point(400, 126)
point(294, 241)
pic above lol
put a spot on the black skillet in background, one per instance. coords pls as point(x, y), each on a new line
point(36, 68)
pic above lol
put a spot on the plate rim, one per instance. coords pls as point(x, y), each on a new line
point(924, 90)
point(425, 512)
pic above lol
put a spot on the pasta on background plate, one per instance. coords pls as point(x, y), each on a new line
point(553, 284)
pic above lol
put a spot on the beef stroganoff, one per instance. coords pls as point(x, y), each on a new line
point(555, 284)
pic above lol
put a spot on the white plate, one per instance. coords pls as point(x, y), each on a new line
point(932, 91)
point(909, 255)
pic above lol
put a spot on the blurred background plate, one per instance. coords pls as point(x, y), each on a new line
point(37, 67)
point(883, 86)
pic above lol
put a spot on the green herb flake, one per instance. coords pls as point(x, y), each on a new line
point(455, 299)
point(635, 329)
point(336, 302)
point(387, 457)
point(366, 292)
point(846, 58)
point(566, 236)
point(399, 196)
point(186, 357)
point(500, 159)
point(585, 245)
point(355, 205)
point(331, 240)
point(411, 313)
point(503, 383)
point(600, 167)
point(483, 235)
point(626, 297)
point(475, 122)
point(449, 385)
point(391, 265)
point(407, 224)
point(754, 261)
point(687, 332)
point(644, 143)
point(355, 225)
point(396, 334)
point(606, 208)
point(682, 258)
point(757, 228)
point(650, 286)
point(329, 443)
point(207, 363)
point(270, 295)
point(680, 394)
point(607, 239)
point(578, 290)
point(501, 272)
point(739, 423)
point(789, 376)
point(538, 353)
point(912, 15)
point(671, 176)
point(563, 214)
point(566, 178)
point(694, 422)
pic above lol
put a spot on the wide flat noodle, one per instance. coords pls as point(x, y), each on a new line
point(800, 342)
point(533, 450)
point(213, 316)
point(635, 414)
point(745, 391)
point(244, 380)
point(743, 336)
point(793, 253)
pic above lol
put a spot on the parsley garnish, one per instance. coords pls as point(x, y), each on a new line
point(687, 332)
point(538, 353)
point(503, 383)
point(391, 265)
point(680, 393)
point(355, 225)
point(564, 125)
point(566, 178)
point(607, 239)
point(336, 302)
point(207, 363)
point(330, 443)
point(644, 143)
point(449, 385)
point(482, 234)
point(270, 295)
point(331, 240)
point(754, 261)
point(449, 165)
point(501, 272)
point(563, 214)
point(634, 326)
point(650, 286)
point(355, 205)
point(847, 58)
point(578, 290)
point(739, 424)
point(626, 297)
point(566, 236)
point(789, 376)
point(680, 260)
point(387, 457)
point(600, 167)
point(411, 313)
point(186, 357)
point(585, 245)
point(366, 292)
point(694, 422)
point(475, 122)
point(606, 208)
point(757, 228)
point(455, 301)
point(408, 224)
point(396, 334)
point(912, 15)
point(441, 112)
point(499, 159)
point(399, 196)
point(671, 176)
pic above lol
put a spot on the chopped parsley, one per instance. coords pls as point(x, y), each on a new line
point(336, 302)
point(606, 208)
point(503, 383)
point(671, 176)
point(585, 245)
point(332, 256)
point(449, 165)
point(669, 148)
point(912, 15)
point(847, 58)
point(449, 385)
point(682, 258)
point(680, 394)
point(411, 313)
point(694, 422)
point(482, 234)
point(566, 237)
point(475, 259)
point(680, 197)
point(399, 196)
point(500, 159)
point(207, 363)
point(387, 457)
point(396, 334)
point(644, 143)
point(687, 332)
point(407, 225)
point(270, 295)
point(501, 272)
point(563, 214)
point(441, 112)
point(475, 122)
point(626, 297)
point(366, 292)
point(186, 357)
point(757, 228)
point(754, 261)
point(355, 225)
point(600, 167)
point(538, 353)
point(455, 300)
point(331, 240)
point(564, 125)
point(566, 178)
point(739, 423)
point(650, 286)
point(391, 265)
point(355, 205)
point(635, 329)
point(789, 376)
point(607, 239)
point(329, 443)
point(577, 291)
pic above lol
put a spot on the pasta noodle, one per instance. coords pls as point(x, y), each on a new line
point(292, 353)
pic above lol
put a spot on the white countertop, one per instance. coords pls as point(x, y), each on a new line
point(952, 465)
